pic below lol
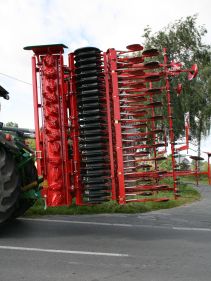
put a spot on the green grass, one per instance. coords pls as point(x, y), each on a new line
point(187, 195)
point(191, 179)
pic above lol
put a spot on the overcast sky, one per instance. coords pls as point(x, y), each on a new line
point(76, 23)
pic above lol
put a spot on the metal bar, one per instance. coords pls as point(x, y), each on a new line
point(64, 128)
point(111, 149)
point(184, 147)
point(74, 132)
point(112, 57)
point(153, 127)
point(149, 200)
point(171, 132)
point(36, 118)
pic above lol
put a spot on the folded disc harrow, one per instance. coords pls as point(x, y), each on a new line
point(103, 133)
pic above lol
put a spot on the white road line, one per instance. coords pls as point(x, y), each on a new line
point(191, 228)
point(62, 251)
point(79, 222)
point(118, 224)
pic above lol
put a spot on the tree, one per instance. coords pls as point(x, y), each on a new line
point(202, 118)
point(12, 124)
point(183, 40)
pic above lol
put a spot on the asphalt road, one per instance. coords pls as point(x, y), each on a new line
point(167, 245)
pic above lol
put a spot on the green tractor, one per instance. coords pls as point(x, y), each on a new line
point(18, 174)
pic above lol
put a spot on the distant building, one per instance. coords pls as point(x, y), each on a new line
point(183, 162)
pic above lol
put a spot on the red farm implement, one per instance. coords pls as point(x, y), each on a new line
point(103, 123)
point(100, 130)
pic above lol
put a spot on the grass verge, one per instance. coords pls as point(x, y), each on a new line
point(188, 195)
point(191, 179)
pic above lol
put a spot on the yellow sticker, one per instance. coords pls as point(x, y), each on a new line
point(45, 184)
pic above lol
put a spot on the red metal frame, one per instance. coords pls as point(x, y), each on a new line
point(111, 149)
point(51, 139)
point(133, 108)
point(36, 117)
point(196, 170)
point(112, 59)
point(171, 130)
point(64, 129)
point(153, 128)
point(209, 170)
point(75, 132)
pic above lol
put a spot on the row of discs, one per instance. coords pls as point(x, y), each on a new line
point(93, 136)
point(140, 122)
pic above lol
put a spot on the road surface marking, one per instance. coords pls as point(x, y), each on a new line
point(62, 251)
point(191, 228)
point(120, 224)
point(79, 222)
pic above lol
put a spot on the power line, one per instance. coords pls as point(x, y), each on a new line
point(14, 78)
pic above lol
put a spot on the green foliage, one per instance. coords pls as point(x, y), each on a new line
point(204, 166)
point(12, 124)
point(166, 164)
point(183, 40)
point(31, 143)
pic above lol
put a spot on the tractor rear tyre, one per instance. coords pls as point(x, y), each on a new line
point(9, 184)
point(30, 175)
